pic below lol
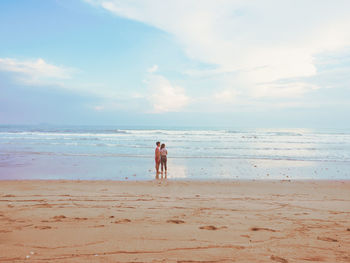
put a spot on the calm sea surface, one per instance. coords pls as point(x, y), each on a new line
point(50, 152)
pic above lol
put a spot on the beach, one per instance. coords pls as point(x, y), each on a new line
point(175, 221)
point(241, 104)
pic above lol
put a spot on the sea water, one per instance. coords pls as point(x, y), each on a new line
point(127, 153)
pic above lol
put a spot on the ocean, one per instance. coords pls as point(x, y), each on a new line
point(124, 153)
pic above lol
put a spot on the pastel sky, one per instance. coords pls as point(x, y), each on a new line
point(267, 63)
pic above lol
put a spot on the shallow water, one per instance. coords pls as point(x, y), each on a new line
point(100, 152)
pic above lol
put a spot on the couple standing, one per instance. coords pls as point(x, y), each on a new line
point(161, 157)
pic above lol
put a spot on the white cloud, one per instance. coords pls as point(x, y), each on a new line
point(38, 72)
point(226, 96)
point(256, 41)
point(286, 90)
point(153, 69)
point(34, 71)
point(164, 96)
point(160, 96)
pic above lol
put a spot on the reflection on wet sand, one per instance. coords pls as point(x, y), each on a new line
point(162, 175)
point(177, 171)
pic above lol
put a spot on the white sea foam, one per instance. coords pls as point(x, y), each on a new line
point(188, 145)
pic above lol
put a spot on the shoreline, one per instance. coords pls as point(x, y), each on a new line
point(174, 221)
point(177, 180)
point(174, 180)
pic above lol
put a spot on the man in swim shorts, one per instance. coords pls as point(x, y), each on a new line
point(157, 156)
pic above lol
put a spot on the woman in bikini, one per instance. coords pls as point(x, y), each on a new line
point(163, 158)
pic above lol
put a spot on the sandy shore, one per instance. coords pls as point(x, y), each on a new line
point(175, 221)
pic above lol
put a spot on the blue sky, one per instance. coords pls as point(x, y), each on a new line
point(175, 63)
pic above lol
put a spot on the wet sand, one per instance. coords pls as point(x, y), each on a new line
point(175, 221)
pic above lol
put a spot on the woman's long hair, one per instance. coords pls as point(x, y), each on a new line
point(162, 146)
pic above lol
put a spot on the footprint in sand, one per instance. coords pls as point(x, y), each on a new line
point(59, 218)
point(43, 227)
point(175, 221)
point(5, 231)
point(126, 220)
point(212, 227)
point(279, 259)
point(329, 239)
point(316, 259)
point(262, 228)
point(9, 196)
point(208, 227)
point(80, 218)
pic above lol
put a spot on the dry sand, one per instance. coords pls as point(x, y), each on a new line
point(175, 221)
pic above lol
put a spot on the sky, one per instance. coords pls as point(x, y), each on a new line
point(237, 63)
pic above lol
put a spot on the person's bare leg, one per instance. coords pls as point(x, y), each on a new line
point(157, 168)
point(162, 166)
